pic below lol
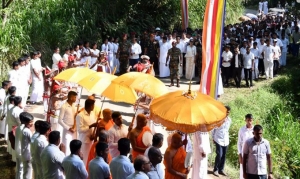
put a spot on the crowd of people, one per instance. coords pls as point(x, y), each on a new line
point(71, 143)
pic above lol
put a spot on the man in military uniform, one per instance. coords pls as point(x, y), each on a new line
point(123, 54)
point(175, 56)
point(151, 48)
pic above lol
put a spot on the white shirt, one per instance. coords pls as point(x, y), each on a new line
point(98, 169)
point(285, 43)
point(236, 60)
point(202, 141)
point(279, 42)
point(255, 52)
point(111, 48)
point(105, 48)
point(25, 144)
point(277, 52)
point(243, 50)
point(74, 167)
point(55, 59)
point(114, 134)
point(227, 56)
point(52, 159)
point(260, 48)
point(66, 115)
point(136, 49)
point(83, 121)
point(25, 76)
point(116, 47)
point(38, 146)
point(18, 139)
point(95, 52)
point(268, 53)
point(157, 172)
point(87, 55)
point(248, 58)
point(244, 134)
point(121, 167)
point(2, 100)
point(181, 46)
point(190, 51)
point(221, 134)
point(185, 43)
point(15, 77)
point(66, 57)
point(138, 175)
point(13, 118)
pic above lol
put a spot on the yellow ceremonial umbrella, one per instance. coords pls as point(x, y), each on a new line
point(96, 82)
point(187, 112)
point(120, 93)
point(74, 74)
point(142, 82)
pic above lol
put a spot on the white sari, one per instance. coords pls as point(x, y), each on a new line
point(37, 84)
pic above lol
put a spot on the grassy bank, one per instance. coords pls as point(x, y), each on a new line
point(275, 105)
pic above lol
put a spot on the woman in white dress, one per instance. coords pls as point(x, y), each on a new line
point(190, 60)
point(37, 79)
point(260, 6)
point(265, 7)
point(164, 70)
point(94, 55)
point(56, 58)
point(86, 54)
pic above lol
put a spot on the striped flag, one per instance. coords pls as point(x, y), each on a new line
point(212, 46)
point(184, 14)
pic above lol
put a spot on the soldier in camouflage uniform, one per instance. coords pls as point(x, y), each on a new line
point(123, 54)
point(175, 56)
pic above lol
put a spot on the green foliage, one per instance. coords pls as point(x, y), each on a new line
point(234, 9)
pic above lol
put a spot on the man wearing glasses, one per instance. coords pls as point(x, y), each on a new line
point(142, 166)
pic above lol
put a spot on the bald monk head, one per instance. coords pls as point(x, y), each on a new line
point(176, 141)
point(107, 114)
point(141, 121)
point(103, 136)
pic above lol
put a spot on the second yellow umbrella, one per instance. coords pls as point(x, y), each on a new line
point(120, 93)
point(73, 74)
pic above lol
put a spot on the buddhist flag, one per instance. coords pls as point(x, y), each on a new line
point(211, 46)
point(184, 14)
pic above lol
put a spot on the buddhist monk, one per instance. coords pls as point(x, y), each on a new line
point(174, 159)
point(107, 121)
point(103, 137)
point(136, 135)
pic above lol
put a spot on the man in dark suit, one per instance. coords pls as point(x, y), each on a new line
point(238, 66)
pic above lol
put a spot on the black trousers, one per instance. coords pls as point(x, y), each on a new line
point(248, 76)
point(275, 67)
point(225, 74)
point(220, 157)
point(261, 66)
point(237, 75)
point(183, 64)
point(251, 176)
point(154, 60)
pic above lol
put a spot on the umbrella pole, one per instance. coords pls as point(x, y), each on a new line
point(98, 120)
point(185, 140)
point(74, 126)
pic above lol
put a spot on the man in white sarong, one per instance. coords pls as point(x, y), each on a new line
point(116, 47)
point(3, 90)
point(201, 151)
point(164, 70)
point(25, 80)
point(110, 53)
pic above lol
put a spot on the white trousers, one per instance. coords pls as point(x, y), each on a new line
point(85, 148)
point(27, 170)
point(283, 58)
point(55, 126)
point(268, 68)
point(19, 168)
point(67, 137)
point(200, 168)
point(2, 124)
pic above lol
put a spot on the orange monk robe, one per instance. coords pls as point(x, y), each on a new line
point(108, 125)
point(177, 164)
point(92, 155)
point(139, 143)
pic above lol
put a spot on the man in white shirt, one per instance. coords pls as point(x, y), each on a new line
point(98, 168)
point(182, 46)
point(238, 67)
point(85, 120)
point(256, 54)
point(268, 54)
point(226, 60)
point(52, 157)
point(66, 120)
point(257, 155)
point(142, 166)
point(276, 57)
point(245, 133)
point(261, 44)
point(5, 86)
point(25, 80)
point(135, 51)
point(243, 48)
point(185, 41)
point(25, 144)
point(73, 165)
point(220, 137)
point(111, 53)
point(285, 44)
point(248, 66)
point(120, 166)
point(38, 146)
point(18, 138)
point(115, 133)
point(157, 168)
